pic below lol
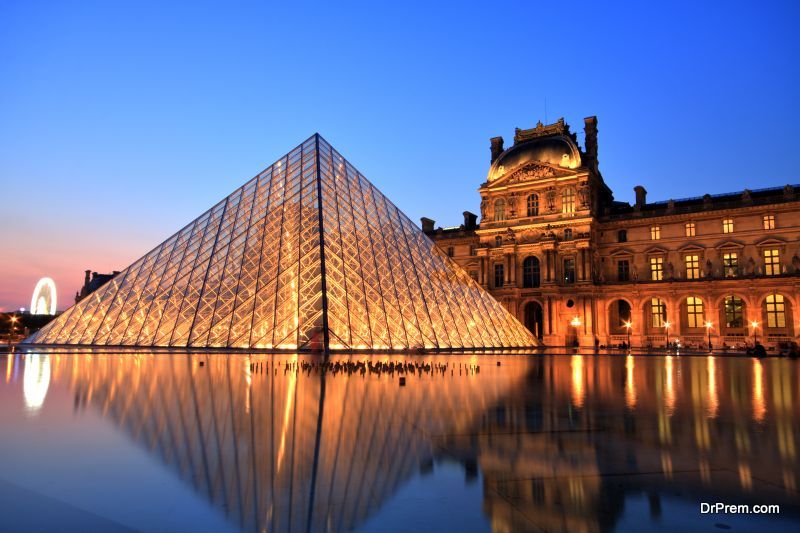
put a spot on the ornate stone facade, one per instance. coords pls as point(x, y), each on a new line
point(576, 266)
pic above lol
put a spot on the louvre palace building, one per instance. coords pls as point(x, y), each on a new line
point(577, 267)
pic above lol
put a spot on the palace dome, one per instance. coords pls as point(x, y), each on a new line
point(557, 150)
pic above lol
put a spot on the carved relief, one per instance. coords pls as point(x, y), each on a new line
point(583, 194)
point(550, 198)
point(532, 173)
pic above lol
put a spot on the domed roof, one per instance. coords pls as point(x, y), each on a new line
point(551, 145)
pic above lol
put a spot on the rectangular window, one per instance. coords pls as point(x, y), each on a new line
point(451, 251)
point(730, 264)
point(658, 312)
point(692, 266)
point(657, 268)
point(569, 271)
point(769, 221)
point(623, 270)
point(772, 262)
point(473, 274)
point(473, 249)
point(734, 312)
point(499, 273)
point(776, 311)
point(694, 312)
point(655, 232)
point(622, 235)
point(690, 229)
point(727, 225)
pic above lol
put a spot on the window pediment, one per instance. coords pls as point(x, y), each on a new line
point(691, 247)
point(731, 245)
point(621, 253)
point(772, 241)
point(656, 250)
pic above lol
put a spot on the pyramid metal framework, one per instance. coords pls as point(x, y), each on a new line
point(306, 255)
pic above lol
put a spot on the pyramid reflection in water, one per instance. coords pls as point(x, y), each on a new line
point(308, 254)
point(279, 448)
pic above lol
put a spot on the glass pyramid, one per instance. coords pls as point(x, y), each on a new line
point(306, 255)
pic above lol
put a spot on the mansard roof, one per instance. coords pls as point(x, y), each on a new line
point(708, 202)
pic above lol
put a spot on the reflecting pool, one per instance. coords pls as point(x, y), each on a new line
point(216, 442)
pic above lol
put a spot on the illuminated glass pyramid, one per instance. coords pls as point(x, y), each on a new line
point(306, 255)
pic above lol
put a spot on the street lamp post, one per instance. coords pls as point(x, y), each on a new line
point(628, 327)
point(14, 319)
point(667, 325)
point(709, 325)
point(754, 325)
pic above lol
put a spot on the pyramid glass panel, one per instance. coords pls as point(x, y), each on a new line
point(306, 255)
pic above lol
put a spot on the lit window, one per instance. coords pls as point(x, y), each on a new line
point(658, 312)
point(730, 264)
point(769, 221)
point(623, 270)
point(451, 251)
point(569, 271)
point(499, 273)
point(734, 312)
point(694, 312)
point(567, 234)
point(656, 268)
point(692, 266)
point(530, 272)
point(533, 205)
point(772, 262)
point(776, 311)
point(622, 235)
point(500, 210)
point(568, 200)
point(727, 225)
point(690, 229)
point(655, 232)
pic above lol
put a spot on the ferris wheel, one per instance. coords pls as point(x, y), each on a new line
point(43, 301)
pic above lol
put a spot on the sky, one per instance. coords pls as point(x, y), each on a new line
point(122, 121)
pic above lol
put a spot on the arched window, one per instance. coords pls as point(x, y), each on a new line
point(499, 210)
point(568, 200)
point(530, 272)
point(658, 312)
point(734, 312)
point(533, 205)
point(776, 311)
point(694, 312)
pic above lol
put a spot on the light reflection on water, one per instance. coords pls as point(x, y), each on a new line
point(559, 442)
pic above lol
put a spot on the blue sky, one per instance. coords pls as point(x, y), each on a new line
point(122, 121)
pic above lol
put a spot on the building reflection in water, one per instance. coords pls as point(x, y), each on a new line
point(561, 441)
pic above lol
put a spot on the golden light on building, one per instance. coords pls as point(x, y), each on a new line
point(306, 256)
point(552, 239)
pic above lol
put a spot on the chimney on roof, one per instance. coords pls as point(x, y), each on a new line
point(497, 147)
point(590, 128)
point(427, 224)
point(470, 220)
point(641, 196)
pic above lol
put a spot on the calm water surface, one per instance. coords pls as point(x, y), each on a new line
point(557, 442)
